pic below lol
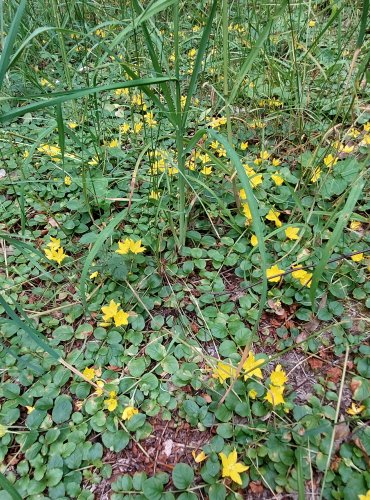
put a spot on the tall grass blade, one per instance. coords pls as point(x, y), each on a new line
point(60, 97)
point(9, 42)
point(107, 231)
point(343, 218)
point(257, 223)
point(363, 24)
point(36, 336)
point(146, 14)
point(7, 486)
point(199, 59)
point(254, 52)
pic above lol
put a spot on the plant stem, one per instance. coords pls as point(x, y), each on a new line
point(225, 58)
point(179, 132)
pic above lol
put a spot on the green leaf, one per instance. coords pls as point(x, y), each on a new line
point(153, 488)
point(217, 492)
point(182, 476)
point(62, 409)
point(116, 441)
point(53, 476)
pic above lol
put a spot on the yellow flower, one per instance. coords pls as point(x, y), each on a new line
point(124, 128)
point(3, 430)
point(45, 83)
point(154, 195)
point(275, 395)
point(192, 53)
point(244, 146)
point(252, 394)
point(273, 273)
point(137, 127)
point(30, 409)
point(149, 119)
point(365, 140)
point(113, 144)
point(135, 247)
point(278, 376)
point(254, 240)
point(138, 100)
point(353, 132)
point(306, 279)
point(94, 161)
point(89, 373)
point(215, 144)
point(275, 162)
point(231, 467)
point(120, 318)
point(110, 311)
point(54, 243)
point(224, 371)
point(129, 412)
point(100, 33)
point(348, 149)
point(299, 273)
point(358, 257)
point(242, 194)
point(311, 23)
point(355, 225)
point(367, 127)
point(49, 150)
point(330, 161)
point(172, 170)
point(221, 152)
point(247, 212)
point(72, 125)
point(206, 170)
point(120, 92)
point(273, 216)
point(277, 179)
point(256, 180)
point(128, 245)
point(94, 275)
point(264, 155)
point(111, 403)
point(198, 458)
point(364, 497)
point(26, 154)
point(99, 391)
point(355, 410)
point(251, 366)
point(292, 233)
point(56, 254)
point(316, 174)
point(67, 180)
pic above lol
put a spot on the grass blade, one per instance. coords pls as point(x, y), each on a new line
point(60, 97)
point(343, 218)
point(10, 39)
point(36, 336)
point(7, 486)
point(254, 52)
point(199, 59)
point(107, 231)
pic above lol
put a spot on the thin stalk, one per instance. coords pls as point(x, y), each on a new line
point(225, 58)
point(179, 131)
point(335, 421)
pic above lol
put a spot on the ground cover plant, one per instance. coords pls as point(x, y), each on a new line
point(184, 250)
